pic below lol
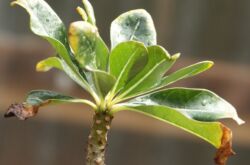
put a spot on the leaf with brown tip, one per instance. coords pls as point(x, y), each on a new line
point(37, 99)
point(225, 149)
point(21, 111)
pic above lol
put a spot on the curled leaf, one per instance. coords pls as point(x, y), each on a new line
point(225, 149)
point(37, 99)
point(21, 111)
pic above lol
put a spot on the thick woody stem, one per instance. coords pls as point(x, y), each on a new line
point(97, 141)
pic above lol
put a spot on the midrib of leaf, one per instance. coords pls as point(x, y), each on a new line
point(135, 29)
point(122, 72)
point(194, 96)
point(120, 97)
point(171, 78)
point(164, 83)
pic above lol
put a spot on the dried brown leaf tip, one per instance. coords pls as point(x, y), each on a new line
point(225, 149)
point(21, 111)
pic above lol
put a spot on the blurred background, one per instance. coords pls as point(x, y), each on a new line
point(200, 30)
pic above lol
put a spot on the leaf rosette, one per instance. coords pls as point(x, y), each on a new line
point(132, 75)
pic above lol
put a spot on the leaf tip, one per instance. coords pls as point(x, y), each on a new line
point(40, 67)
point(234, 115)
point(13, 3)
point(210, 64)
point(21, 111)
point(225, 149)
point(176, 56)
point(239, 120)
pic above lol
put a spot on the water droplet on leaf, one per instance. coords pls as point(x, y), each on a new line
point(204, 102)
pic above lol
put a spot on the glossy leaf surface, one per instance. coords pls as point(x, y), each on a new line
point(198, 104)
point(182, 107)
point(126, 60)
point(133, 25)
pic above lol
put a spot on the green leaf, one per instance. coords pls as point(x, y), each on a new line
point(44, 97)
point(102, 53)
point(159, 61)
point(92, 55)
point(198, 104)
point(45, 23)
point(103, 81)
point(55, 62)
point(133, 25)
point(126, 60)
point(214, 133)
point(37, 99)
point(182, 107)
point(90, 11)
point(89, 48)
point(48, 64)
point(186, 72)
point(208, 131)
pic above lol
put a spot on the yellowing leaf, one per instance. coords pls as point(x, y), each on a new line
point(87, 45)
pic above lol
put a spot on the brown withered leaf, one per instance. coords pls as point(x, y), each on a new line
point(21, 111)
point(225, 149)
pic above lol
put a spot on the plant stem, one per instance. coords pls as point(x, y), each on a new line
point(98, 138)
